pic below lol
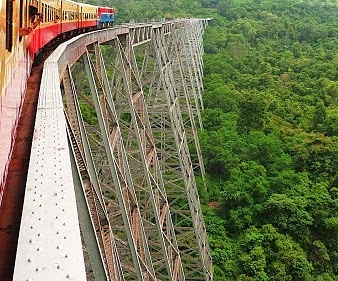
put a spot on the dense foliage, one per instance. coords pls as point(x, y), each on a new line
point(270, 142)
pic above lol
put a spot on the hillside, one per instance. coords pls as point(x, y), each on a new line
point(270, 140)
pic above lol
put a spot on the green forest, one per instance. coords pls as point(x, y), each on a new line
point(269, 142)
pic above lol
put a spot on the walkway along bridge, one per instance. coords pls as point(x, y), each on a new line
point(111, 192)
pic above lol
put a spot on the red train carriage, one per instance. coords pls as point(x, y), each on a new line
point(69, 16)
point(48, 28)
point(88, 16)
point(22, 35)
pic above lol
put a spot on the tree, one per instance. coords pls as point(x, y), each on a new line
point(252, 112)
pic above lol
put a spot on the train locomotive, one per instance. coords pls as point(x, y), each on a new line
point(26, 26)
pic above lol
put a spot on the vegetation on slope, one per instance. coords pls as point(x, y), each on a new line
point(270, 144)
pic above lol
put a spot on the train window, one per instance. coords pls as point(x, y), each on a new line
point(9, 25)
point(21, 17)
point(57, 17)
point(44, 11)
point(34, 3)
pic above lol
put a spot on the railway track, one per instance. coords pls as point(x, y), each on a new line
point(12, 203)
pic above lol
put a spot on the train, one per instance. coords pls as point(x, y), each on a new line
point(27, 26)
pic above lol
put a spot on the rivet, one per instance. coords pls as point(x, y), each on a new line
point(30, 260)
point(65, 237)
point(31, 241)
point(38, 269)
point(69, 276)
point(38, 249)
point(56, 217)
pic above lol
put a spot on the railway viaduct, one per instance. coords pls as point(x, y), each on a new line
point(111, 190)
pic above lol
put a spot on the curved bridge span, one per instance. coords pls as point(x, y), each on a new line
point(111, 192)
